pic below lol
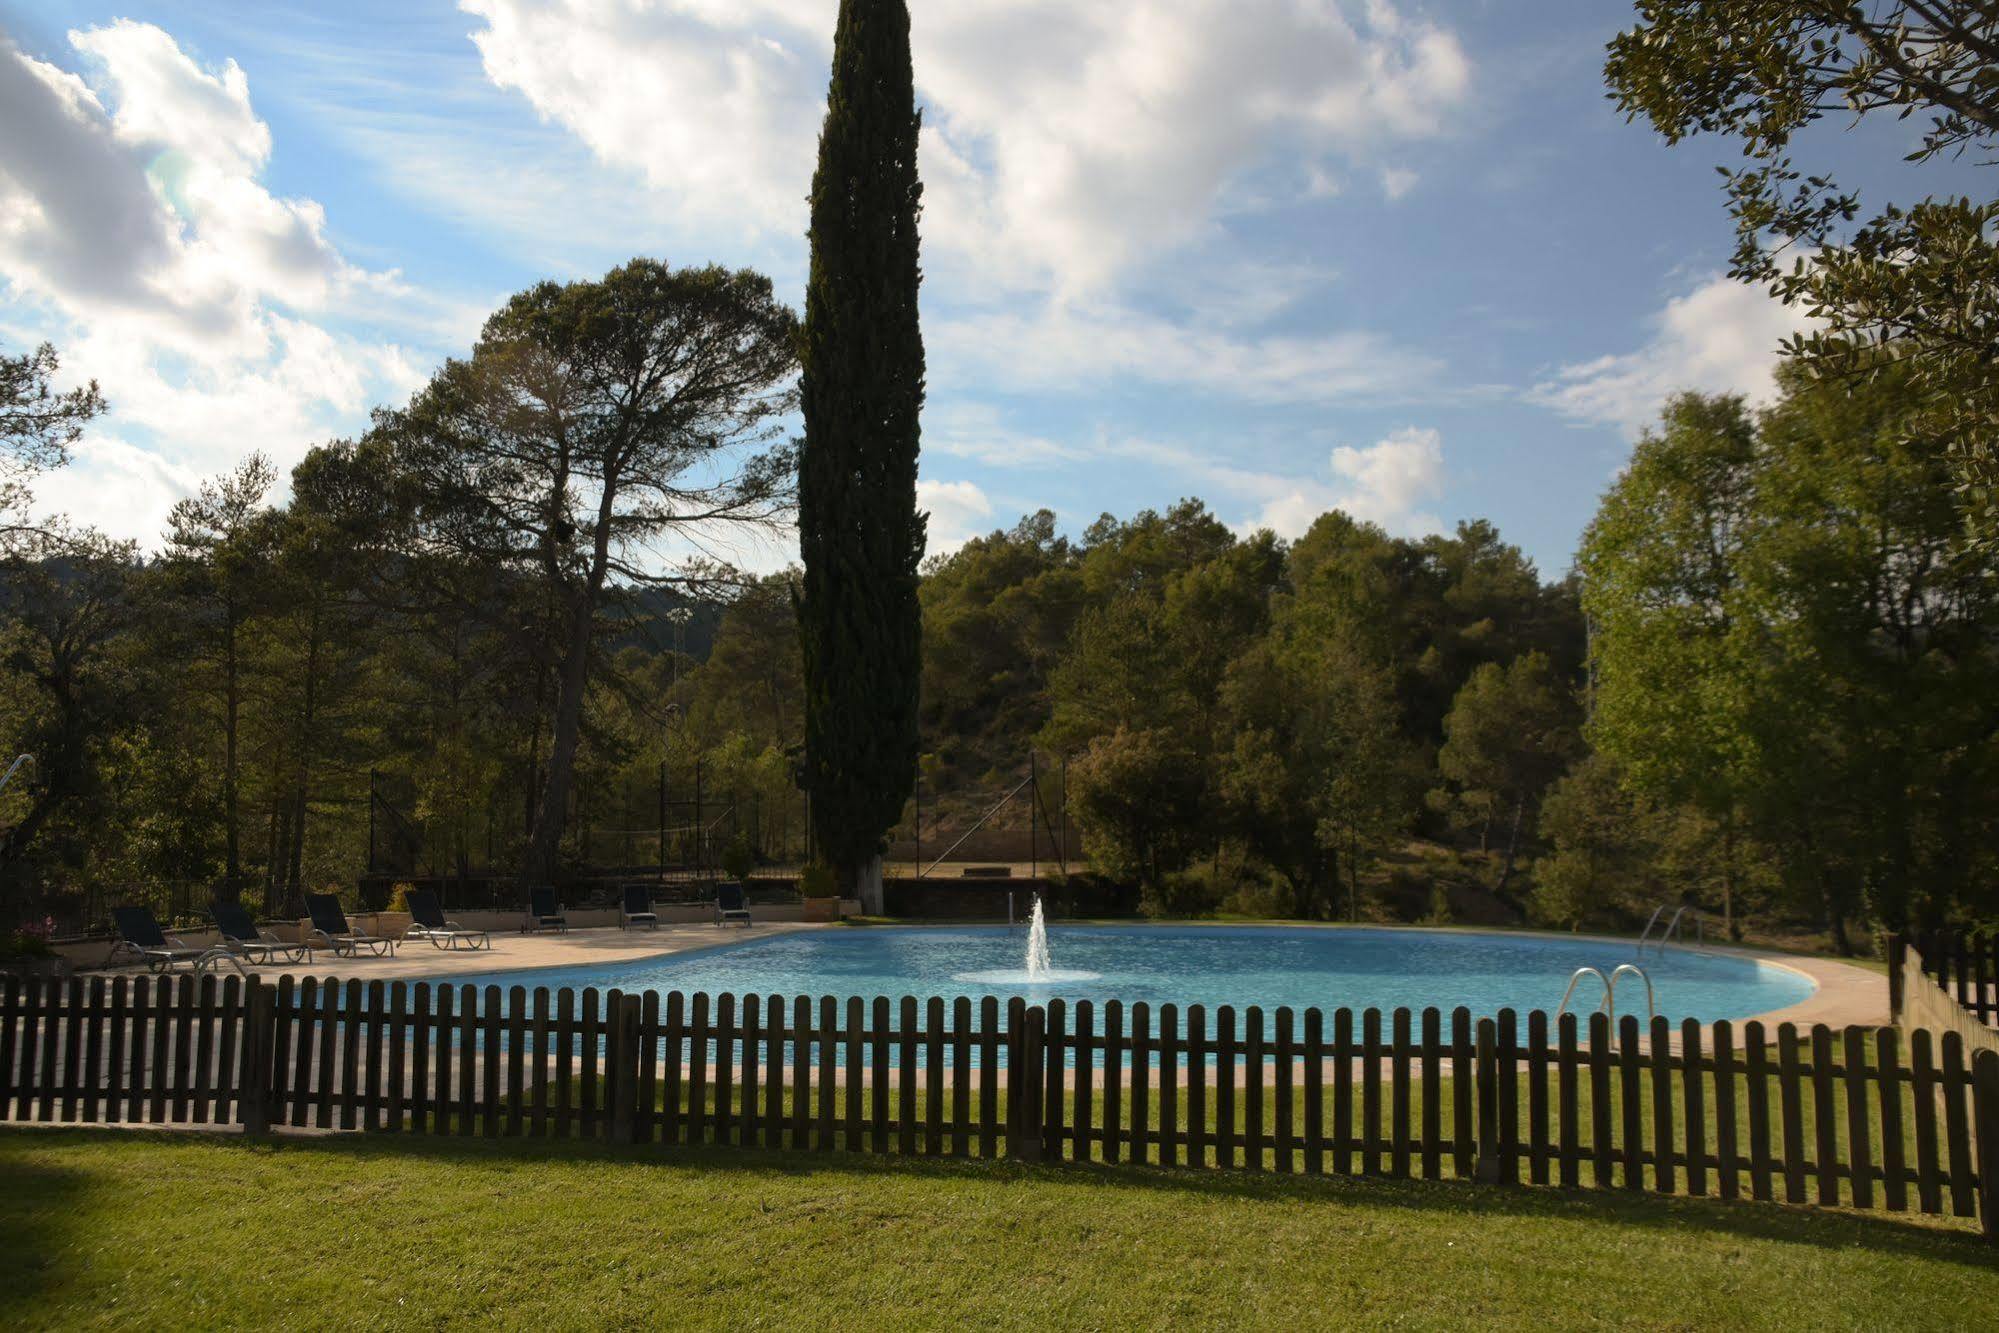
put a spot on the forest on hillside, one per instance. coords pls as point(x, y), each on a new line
point(1767, 688)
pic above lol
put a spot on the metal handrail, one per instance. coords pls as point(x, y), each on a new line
point(1610, 1002)
point(1673, 928)
point(1575, 979)
point(1609, 1009)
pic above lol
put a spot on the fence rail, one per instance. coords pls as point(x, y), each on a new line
point(1868, 1118)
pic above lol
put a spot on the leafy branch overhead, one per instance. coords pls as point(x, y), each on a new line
point(1914, 282)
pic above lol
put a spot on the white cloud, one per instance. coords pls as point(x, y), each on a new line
point(959, 511)
point(1397, 181)
point(1063, 143)
point(1389, 482)
point(135, 233)
point(1078, 346)
point(1719, 337)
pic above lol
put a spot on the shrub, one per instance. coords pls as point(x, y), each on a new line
point(738, 859)
point(399, 898)
point(817, 881)
point(1440, 907)
point(30, 939)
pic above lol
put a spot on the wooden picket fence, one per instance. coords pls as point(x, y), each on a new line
point(1965, 966)
point(1867, 1118)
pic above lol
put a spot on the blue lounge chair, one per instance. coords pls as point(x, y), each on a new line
point(329, 923)
point(637, 908)
point(427, 923)
point(544, 911)
point(731, 904)
point(242, 935)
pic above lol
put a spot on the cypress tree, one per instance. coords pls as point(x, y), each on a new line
point(860, 532)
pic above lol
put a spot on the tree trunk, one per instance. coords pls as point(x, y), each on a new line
point(545, 843)
point(1512, 848)
point(866, 881)
point(232, 875)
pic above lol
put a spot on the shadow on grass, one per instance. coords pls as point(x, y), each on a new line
point(34, 1253)
point(1743, 1219)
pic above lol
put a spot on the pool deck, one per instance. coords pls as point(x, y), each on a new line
point(416, 960)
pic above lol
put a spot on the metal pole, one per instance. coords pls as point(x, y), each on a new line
point(662, 821)
point(1064, 851)
point(371, 821)
point(700, 829)
point(1034, 800)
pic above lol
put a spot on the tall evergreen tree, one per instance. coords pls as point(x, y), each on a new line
point(861, 533)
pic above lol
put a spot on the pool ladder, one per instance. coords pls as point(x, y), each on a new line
point(1610, 992)
point(1673, 928)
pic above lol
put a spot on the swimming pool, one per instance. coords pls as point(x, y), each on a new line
point(1271, 966)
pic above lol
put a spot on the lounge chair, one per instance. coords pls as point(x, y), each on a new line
point(637, 908)
point(329, 923)
point(427, 923)
point(730, 904)
point(544, 911)
point(242, 935)
point(141, 939)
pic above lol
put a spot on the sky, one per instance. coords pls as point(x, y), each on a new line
point(1399, 258)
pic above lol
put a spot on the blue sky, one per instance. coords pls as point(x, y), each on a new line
point(1284, 255)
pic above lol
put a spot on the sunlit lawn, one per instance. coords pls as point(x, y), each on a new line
point(194, 1231)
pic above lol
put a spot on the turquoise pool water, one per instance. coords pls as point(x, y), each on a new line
point(1300, 967)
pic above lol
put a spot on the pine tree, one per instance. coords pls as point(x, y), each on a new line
point(861, 534)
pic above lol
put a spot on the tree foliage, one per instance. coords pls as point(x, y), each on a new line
point(1913, 286)
point(860, 533)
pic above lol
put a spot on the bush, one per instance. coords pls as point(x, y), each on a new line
point(817, 881)
point(30, 940)
point(1191, 892)
point(1440, 907)
point(738, 859)
point(399, 898)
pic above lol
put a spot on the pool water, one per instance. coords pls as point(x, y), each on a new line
point(1302, 967)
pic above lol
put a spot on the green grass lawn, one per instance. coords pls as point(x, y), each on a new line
point(195, 1231)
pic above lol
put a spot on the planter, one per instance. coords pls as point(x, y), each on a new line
point(822, 909)
point(36, 969)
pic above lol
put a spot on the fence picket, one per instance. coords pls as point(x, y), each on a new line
point(66, 1090)
point(801, 1071)
point(856, 1015)
point(1568, 1127)
point(1399, 1109)
point(1370, 1093)
point(698, 1035)
point(1141, 1084)
point(1197, 1085)
point(114, 1063)
point(1083, 1071)
point(1630, 1061)
point(829, 1074)
point(1537, 1097)
point(1728, 1161)
point(1343, 1061)
point(1315, 1091)
point(11, 1018)
point(1694, 1107)
point(468, 1061)
point(1956, 1085)
point(1461, 1092)
point(1285, 1138)
point(1790, 1084)
point(443, 1026)
point(1169, 1085)
point(93, 1054)
point(1113, 1136)
point(1859, 1152)
point(420, 1104)
point(906, 1077)
point(733, 1125)
point(1604, 1165)
point(673, 1035)
point(1894, 1169)
point(988, 1078)
point(1663, 1155)
point(878, 1099)
point(1825, 1117)
point(1055, 1047)
point(1252, 1100)
point(1225, 1076)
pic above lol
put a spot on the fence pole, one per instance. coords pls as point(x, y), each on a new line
point(1024, 1090)
point(1985, 1113)
point(1898, 959)
point(259, 1025)
point(1485, 1166)
point(622, 1068)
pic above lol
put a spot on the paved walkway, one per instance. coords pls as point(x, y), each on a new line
point(416, 960)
